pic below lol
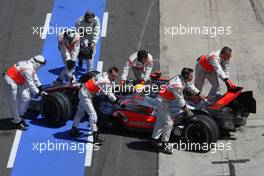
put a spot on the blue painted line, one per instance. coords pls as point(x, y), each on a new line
point(30, 161)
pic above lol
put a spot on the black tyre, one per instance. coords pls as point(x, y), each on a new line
point(56, 108)
point(74, 99)
point(204, 131)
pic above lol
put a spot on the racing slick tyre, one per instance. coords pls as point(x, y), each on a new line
point(204, 131)
point(56, 108)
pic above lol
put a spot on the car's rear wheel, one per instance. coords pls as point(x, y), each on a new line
point(56, 108)
point(204, 131)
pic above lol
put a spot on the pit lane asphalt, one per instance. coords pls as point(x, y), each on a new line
point(246, 156)
point(131, 25)
point(17, 43)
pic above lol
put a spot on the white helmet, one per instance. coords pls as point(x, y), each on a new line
point(38, 61)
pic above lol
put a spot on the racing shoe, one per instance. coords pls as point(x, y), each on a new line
point(24, 122)
point(97, 139)
point(166, 148)
point(74, 132)
point(20, 126)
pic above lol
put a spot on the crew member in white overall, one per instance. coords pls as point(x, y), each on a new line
point(141, 63)
point(172, 92)
point(212, 66)
point(69, 46)
point(88, 26)
point(20, 81)
point(101, 83)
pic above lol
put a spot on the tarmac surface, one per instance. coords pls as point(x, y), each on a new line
point(17, 43)
point(245, 17)
point(155, 25)
point(131, 25)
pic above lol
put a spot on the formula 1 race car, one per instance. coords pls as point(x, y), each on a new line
point(61, 102)
point(223, 113)
point(226, 112)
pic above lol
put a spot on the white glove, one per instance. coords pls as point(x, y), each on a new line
point(188, 112)
point(43, 93)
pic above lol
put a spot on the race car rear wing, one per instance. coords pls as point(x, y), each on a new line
point(244, 99)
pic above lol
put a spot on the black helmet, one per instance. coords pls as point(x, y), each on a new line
point(88, 15)
point(141, 54)
point(186, 72)
point(69, 35)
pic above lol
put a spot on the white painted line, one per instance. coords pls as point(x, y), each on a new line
point(145, 24)
point(46, 26)
point(13, 153)
point(100, 66)
point(104, 26)
point(89, 152)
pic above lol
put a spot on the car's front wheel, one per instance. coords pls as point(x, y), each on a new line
point(56, 108)
point(203, 131)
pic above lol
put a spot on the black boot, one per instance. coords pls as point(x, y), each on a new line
point(74, 132)
point(24, 122)
point(156, 143)
point(97, 139)
point(20, 126)
point(166, 148)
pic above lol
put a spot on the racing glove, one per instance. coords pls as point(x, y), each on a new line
point(92, 45)
point(40, 88)
point(120, 103)
point(42, 93)
point(229, 84)
point(200, 96)
point(188, 112)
